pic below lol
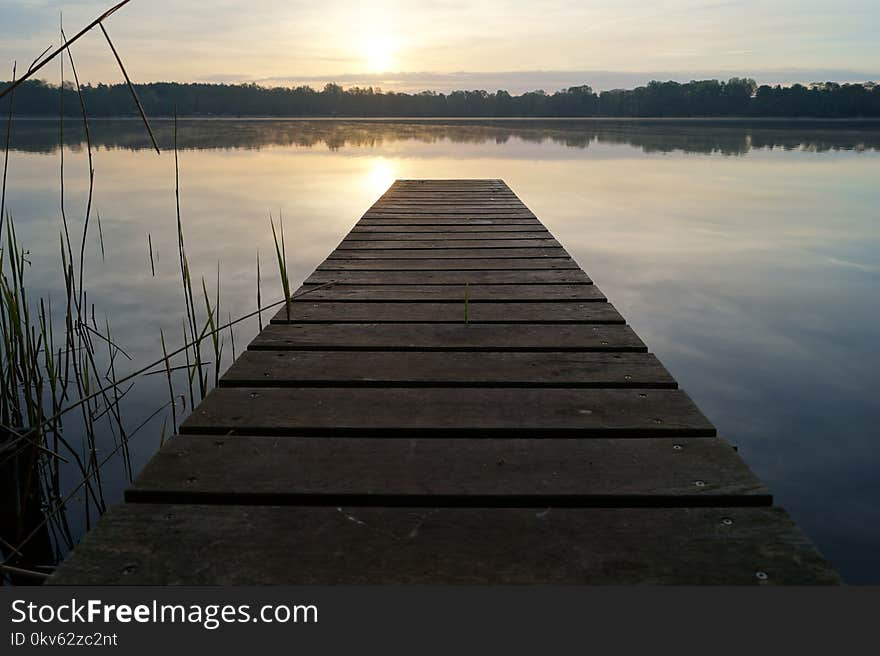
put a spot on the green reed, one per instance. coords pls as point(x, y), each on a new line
point(62, 397)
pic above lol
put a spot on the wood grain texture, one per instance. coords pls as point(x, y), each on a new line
point(411, 244)
point(364, 228)
point(289, 368)
point(447, 236)
point(454, 412)
point(447, 264)
point(449, 337)
point(159, 544)
point(475, 203)
point(452, 293)
point(449, 221)
point(452, 277)
point(304, 310)
point(427, 217)
point(437, 471)
point(468, 258)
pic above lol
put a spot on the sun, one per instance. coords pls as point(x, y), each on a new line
point(379, 51)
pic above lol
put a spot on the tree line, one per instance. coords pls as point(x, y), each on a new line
point(736, 97)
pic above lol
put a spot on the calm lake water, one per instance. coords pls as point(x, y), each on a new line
point(746, 256)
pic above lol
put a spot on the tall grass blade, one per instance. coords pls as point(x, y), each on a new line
point(36, 67)
point(152, 264)
point(137, 101)
point(6, 156)
point(281, 255)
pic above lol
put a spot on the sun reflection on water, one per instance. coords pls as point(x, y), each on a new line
point(380, 175)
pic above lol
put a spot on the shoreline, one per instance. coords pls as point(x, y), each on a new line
point(725, 120)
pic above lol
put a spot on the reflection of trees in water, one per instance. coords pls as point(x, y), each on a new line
point(651, 137)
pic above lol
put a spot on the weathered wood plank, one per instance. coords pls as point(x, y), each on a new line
point(449, 337)
point(435, 369)
point(434, 230)
point(466, 208)
point(446, 212)
point(451, 221)
point(462, 213)
point(355, 235)
point(448, 472)
point(453, 293)
point(464, 183)
point(303, 310)
point(347, 244)
point(459, 196)
point(452, 412)
point(478, 196)
point(451, 200)
point(471, 277)
point(486, 197)
point(451, 253)
point(447, 264)
point(429, 189)
point(158, 544)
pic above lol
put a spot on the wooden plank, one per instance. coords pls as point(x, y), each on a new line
point(420, 185)
point(446, 264)
point(404, 191)
point(485, 196)
point(401, 183)
point(497, 187)
point(439, 198)
point(427, 219)
point(424, 217)
point(160, 544)
point(445, 212)
point(304, 311)
point(442, 206)
point(453, 293)
point(482, 193)
point(450, 221)
point(347, 244)
point(458, 196)
point(447, 472)
point(450, 337)
point(468, 229)
point(436, 369)
point(479, 194)
point(476, 192)
point(428, 190)
point(453, 412)
point(476, 200)
point(451, 253)
point(355, 235)
point(468, 186)
point(545, 277)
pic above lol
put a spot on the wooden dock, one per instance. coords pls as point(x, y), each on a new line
point(460, 405)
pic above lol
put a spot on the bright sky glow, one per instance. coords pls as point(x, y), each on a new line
point(416, 44)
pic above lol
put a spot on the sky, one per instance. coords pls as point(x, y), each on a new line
point(448, 44)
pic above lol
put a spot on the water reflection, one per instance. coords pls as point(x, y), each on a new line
point(752, 276)
point(666, 136)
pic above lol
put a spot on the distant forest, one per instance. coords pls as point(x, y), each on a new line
point(735, 98)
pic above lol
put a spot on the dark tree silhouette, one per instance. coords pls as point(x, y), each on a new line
point(735, 98)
